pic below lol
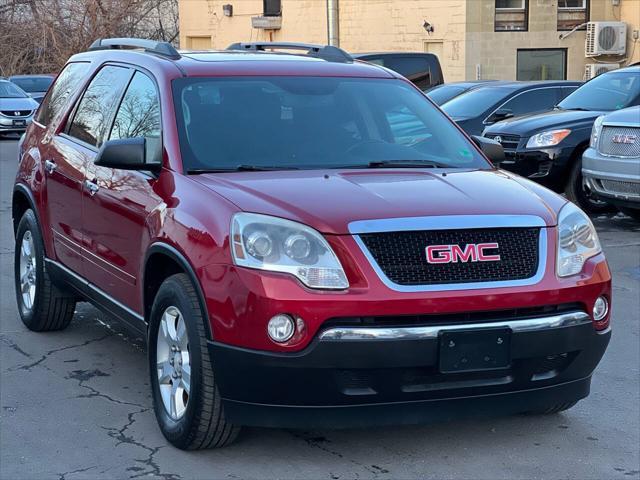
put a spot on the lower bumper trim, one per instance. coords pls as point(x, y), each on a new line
point(405, 413)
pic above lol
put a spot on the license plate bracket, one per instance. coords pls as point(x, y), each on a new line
point(475, 350)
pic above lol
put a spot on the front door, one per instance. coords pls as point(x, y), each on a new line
point(116, 203)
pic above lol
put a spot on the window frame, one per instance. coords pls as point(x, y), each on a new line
point(587, 14)
point(151, 77)
point(72, 113)
point(565, 52)
point(554, 87)
point(524, 9)
point(73, 98)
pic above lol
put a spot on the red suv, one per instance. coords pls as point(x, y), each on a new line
point(304, 240)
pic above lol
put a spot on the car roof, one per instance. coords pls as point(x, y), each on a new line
point(38, 75)
point(240, 63)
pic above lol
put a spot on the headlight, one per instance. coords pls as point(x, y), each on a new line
point(577, 240)
point(595, 131)
point(278, 245)
point(548, 139)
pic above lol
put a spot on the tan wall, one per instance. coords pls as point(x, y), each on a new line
point(464, 34)
point(630, 13)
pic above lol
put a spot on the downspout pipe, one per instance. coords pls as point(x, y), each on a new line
point(333, 29)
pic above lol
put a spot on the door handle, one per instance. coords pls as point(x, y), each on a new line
point(92, 187)
point(50, 166)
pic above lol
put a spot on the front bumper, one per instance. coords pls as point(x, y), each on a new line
point(614, 179)
point(8, 124)
point(353, 376)
point(546, 166)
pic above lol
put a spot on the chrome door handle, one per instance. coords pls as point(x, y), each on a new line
point(50, 166)
point(92, 187)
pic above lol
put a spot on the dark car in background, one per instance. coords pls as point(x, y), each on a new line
point(476, 109)
point(441, 94)
point(16, 108)
point(548, 147)
point(423, 69)
point(35, 85)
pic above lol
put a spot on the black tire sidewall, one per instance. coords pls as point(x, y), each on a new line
point(27, 223)
point(576, 193)
point(172, 293)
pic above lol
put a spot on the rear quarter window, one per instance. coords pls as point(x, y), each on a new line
point(66, 84)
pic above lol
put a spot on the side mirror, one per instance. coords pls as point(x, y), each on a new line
point(124, 154)
point(500, 114)
point(491, 149)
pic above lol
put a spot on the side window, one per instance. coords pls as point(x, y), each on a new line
point(139, 115)
point(415, 69)
point(532, 101)
point(95, 111)
point(67, 82)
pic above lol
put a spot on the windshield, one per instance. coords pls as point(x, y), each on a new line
point(611, 91)
point(475, 102)
point(444, 93)
point(33, 84)
point(9, 90)
point(312, 122)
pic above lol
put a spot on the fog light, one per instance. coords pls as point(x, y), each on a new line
point(281, 328)
point(600, 309)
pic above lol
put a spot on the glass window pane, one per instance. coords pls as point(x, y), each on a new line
point(66, 84)
point(311, 122)
point(139, 114)
point(572, 3)
point(533, 101)
point(95, 111)
point(541, 65)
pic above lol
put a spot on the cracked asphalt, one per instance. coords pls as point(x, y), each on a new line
point(76, 405)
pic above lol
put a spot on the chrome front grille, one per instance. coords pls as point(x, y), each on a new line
point(508, 142)
point(16, 113)
point(621, 188)
point(620, 141)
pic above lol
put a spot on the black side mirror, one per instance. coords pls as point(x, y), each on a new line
point(491, 149)
point(501, 114)
point(124, 154)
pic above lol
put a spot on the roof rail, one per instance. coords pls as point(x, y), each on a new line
point(325, 52)
point(164, 49)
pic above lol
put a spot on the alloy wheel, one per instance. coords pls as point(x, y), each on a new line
point(173, 362)
point(28, 271)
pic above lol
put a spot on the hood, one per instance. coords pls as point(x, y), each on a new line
point(530, 124)
point(629, 115)
point(329, 200)
point(26, 103)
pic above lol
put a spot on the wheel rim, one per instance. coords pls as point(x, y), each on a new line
point(173, 362)
point(28, 272)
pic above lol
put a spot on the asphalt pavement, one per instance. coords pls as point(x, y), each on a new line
point(76, 405)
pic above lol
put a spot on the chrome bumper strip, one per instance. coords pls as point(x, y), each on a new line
point(351, 334)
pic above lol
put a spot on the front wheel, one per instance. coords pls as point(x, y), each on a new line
point(631, 212)
point(579, 192)
point(186, 400)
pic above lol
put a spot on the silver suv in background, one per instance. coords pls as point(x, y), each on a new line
point(611, 165)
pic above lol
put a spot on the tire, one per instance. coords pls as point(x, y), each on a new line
point(579, 193)
point(42, 305)
point(195, 421)
point(631, 212)
point(553, 409)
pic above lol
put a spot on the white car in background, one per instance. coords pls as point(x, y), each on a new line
point(16, 108)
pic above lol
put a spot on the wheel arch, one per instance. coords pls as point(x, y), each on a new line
point(22, 200)
point(161, 261)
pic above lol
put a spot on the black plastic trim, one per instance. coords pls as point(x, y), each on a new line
point(61, 275)
point(32, 201)
point(178, 257)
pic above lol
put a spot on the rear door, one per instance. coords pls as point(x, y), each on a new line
point(118, 202)
point(64, 169)
point(75, 147)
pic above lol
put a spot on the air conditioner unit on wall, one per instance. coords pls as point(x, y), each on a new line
point(594, 69)
point(606, 38)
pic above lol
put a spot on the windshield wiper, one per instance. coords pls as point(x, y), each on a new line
point(406, 164)
point(241, 168)
point(578, 109)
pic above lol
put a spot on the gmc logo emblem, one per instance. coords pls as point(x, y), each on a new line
point(472, 252)
point(623, 138)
